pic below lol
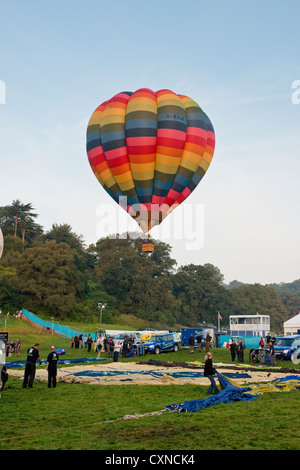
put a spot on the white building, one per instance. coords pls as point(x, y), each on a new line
point(249, 325)
point(292, 326)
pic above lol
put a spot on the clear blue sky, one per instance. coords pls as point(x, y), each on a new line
point(237, 58)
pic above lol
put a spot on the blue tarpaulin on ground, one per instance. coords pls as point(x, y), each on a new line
point(13, 364)
point(154, 373)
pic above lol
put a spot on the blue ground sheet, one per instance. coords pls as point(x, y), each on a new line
point(177, 375)
point(15, 364)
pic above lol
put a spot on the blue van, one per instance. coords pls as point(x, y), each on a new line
point(286, 345)
point(158, 343)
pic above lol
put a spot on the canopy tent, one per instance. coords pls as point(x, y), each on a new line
point(292, 326)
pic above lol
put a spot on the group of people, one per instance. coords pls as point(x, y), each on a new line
point(202, 342)
point(101, 343)
point(80, 342)
point(16, 315)
point(113, 348)
point(104, 344)
point(13, 347)
point(33, 356)
point(237, 349)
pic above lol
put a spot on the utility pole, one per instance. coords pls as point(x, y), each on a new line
point(101, 306)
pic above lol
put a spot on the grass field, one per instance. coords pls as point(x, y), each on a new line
point(85, 417)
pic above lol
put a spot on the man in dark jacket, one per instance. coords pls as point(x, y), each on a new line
point(125, 346)
point(33, 355)
point(240, 351)
point(89, 343)
point(52, 361)
point(191, 343)
point(199, 341)
point(233, 350)
point(272, 353)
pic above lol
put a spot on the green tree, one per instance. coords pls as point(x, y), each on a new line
point(201, 294)
point(140, 283)
point(49, 280)
point(291, 302)
point(9, 289)
point(253, 298)
point(18, 219)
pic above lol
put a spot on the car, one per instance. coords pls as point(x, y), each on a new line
point(146, 337)
point(285, 346)
point(158, 343)
point(238, 338)
point(137, 338)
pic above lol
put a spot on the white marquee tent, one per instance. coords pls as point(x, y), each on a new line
point(292, 326)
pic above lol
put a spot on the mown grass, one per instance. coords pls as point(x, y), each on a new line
point(81, 417)
point(86, 417)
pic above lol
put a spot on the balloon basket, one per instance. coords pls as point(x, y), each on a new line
point(147, 247)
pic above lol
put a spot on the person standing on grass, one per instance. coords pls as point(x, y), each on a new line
point(272, 353)
point(110, 347)
point(125, 346)
point(199, 340)
point(207, 342)
point(18, 346)
point(52, 361)
point(191, 343)
point(89, 343)
point(33, 355)
point(209, 372)
point(99, 344)
point(117, 347)
point(240, 351)
point(232, 349)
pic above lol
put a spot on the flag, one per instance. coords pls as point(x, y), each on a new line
point(219, 316)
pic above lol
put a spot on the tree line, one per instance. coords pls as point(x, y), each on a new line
point(54, 273)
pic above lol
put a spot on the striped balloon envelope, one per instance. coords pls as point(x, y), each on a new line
point(149, 150)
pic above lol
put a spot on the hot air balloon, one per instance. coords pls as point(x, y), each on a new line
point(149, 150)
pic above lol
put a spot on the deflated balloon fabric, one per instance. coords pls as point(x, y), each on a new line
point(229, 394)
point(232, 393)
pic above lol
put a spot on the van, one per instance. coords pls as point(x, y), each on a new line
point(286, 345)
point(160, 343)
